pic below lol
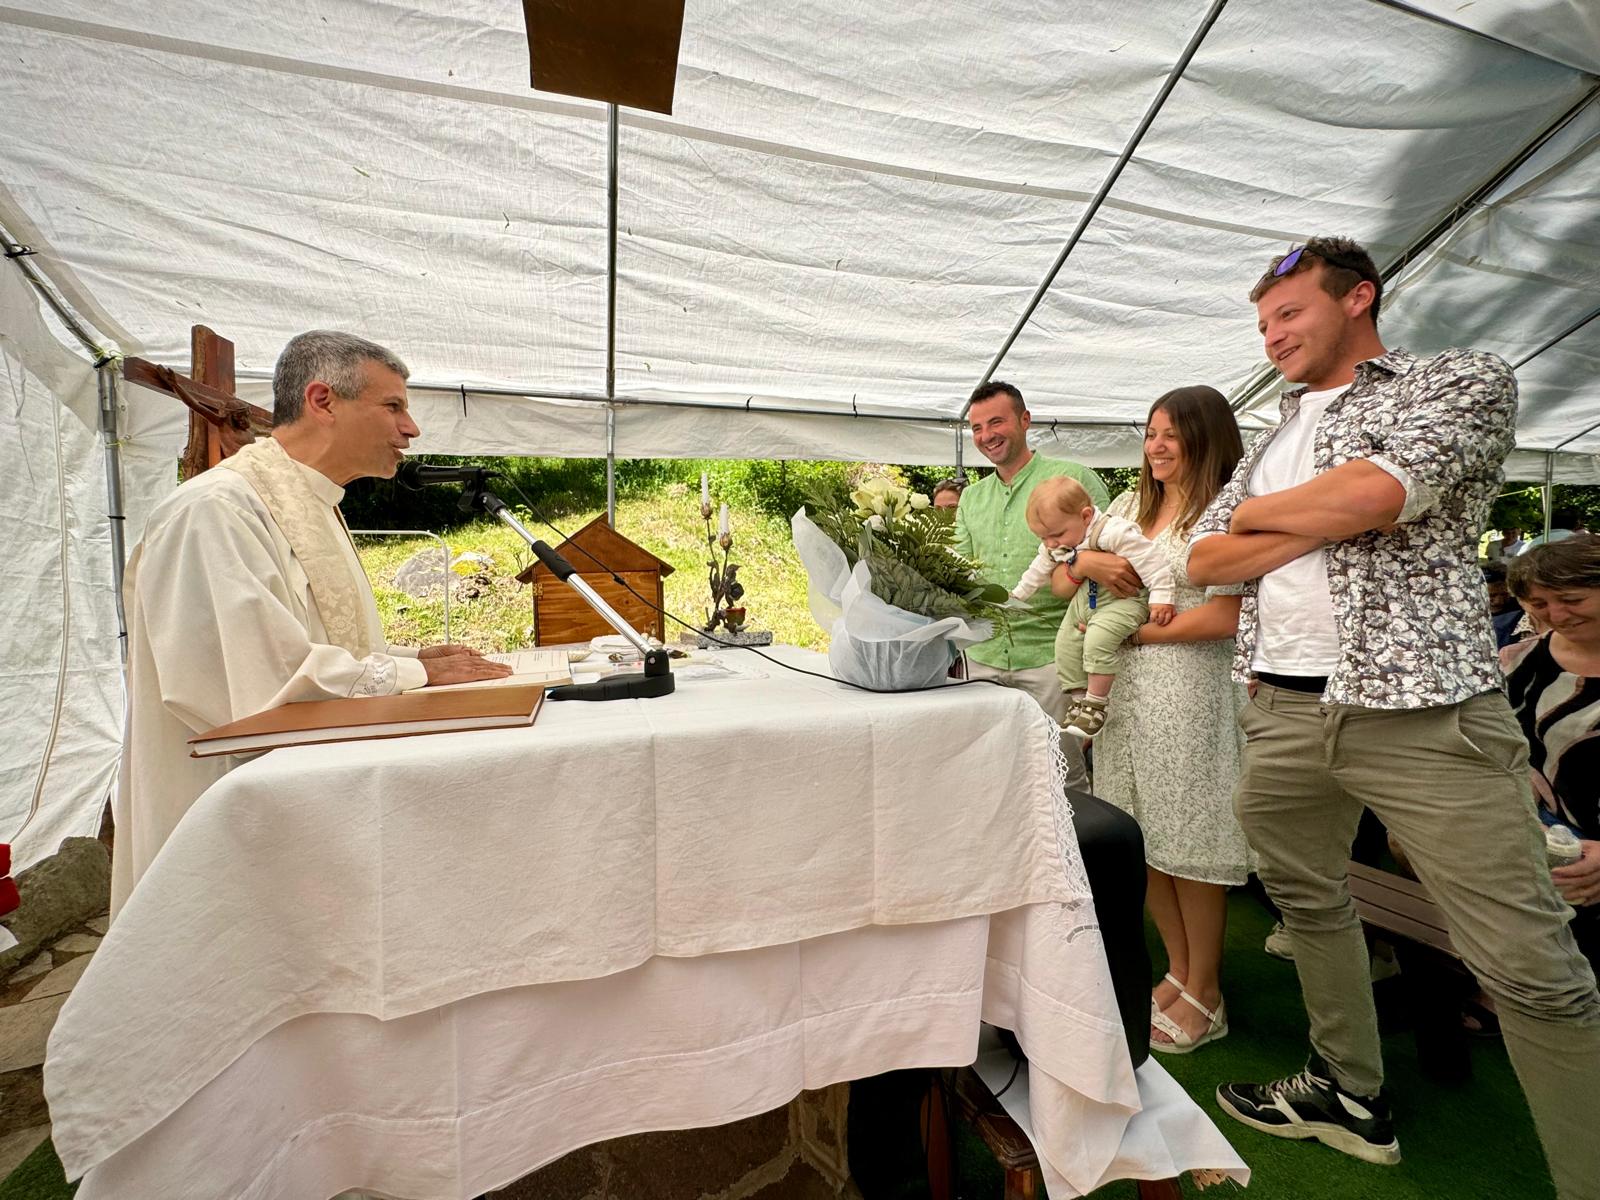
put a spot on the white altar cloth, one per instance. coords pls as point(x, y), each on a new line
point(387, 954)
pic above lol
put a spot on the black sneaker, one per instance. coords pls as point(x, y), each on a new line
point(1312, 1105)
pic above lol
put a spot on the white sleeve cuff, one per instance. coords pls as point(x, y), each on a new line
point(410, 674)
point(404, 651)
point(1419, 497)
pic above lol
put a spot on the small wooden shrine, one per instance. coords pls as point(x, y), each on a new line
point(561, 615)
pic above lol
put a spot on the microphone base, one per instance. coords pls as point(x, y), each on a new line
point(616, 687)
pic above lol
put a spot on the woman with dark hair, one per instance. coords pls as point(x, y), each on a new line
point(1169, 752)
point(1554, 686)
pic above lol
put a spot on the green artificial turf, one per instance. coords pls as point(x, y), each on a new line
point(1468, 1142)
point(1475, 1142)
point(39, 1177)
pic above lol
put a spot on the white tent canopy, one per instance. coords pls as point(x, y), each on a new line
point(853, 210)
point(847, 213)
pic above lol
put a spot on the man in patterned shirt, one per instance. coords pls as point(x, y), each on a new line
point(1354, 524)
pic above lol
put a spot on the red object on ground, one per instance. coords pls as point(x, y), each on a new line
point(10, 899)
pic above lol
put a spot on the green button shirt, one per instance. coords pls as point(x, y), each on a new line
point(992, 526)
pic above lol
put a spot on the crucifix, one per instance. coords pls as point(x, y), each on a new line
point(219, 422)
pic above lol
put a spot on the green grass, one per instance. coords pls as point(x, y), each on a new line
point(669, 526)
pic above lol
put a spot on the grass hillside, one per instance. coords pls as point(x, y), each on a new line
point(497, 613)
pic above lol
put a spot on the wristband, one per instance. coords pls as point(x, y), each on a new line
point(1076, 582)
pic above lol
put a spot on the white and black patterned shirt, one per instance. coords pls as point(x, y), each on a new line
point(1409, 605)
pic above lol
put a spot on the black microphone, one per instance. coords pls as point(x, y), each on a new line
point(558, 566)
point(415, 474)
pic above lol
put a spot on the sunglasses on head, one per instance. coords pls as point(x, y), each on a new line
point(1333, 259)
point(1287, 262)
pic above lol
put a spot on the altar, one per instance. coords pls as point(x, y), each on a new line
point(424, 967)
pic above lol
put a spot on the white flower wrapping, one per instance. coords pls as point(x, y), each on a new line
point(872, 642)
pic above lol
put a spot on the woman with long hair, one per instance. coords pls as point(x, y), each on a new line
point(1169, 752)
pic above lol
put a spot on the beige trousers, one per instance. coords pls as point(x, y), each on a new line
point(1451, 784)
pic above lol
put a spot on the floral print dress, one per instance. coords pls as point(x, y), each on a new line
point(1169, 753)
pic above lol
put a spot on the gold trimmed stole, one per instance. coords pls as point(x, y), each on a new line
point(344, 603)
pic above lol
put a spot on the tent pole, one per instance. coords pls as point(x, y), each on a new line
point(1549, 474)
point(1106, 185)
point(19, 255)
point(106, 377)
point(610, 466)
point(611, 314)
point(1560, 337)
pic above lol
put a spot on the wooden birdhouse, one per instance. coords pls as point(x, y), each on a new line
point(560, 615)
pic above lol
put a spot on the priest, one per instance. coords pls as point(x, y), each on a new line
point(246, 593)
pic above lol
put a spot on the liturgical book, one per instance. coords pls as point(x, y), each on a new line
point(425, 711)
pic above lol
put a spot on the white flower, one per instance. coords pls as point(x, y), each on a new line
point(874, 522)
point(918, 500)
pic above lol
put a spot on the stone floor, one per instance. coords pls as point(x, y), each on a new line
point(30, 999)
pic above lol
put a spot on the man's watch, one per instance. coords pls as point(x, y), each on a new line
point(1072, 557)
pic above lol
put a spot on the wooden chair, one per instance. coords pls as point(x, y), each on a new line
point(972, 1102)
point(1431, 978)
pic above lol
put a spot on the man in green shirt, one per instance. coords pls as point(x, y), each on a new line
point(991, 526)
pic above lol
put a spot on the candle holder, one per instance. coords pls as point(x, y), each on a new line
point(726, 612)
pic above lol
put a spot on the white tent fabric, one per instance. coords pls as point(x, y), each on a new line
point(818, 254)
point(847, 212)
point(61, 683)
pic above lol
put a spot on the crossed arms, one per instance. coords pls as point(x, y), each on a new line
point(1268, 531)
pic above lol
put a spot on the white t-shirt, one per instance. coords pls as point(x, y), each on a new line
point(1295, 631)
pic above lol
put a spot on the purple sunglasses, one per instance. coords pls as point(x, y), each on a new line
point(1333, 259)
point(1288, 262)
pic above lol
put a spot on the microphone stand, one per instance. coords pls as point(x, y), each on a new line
point(657, 679)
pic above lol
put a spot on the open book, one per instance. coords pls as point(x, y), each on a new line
point(433, 710)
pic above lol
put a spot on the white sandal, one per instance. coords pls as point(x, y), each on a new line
point(1182, 1042)
point(1167, 978)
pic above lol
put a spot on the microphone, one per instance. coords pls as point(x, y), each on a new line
point(415, 474)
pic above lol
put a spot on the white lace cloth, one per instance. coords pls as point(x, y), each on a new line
point(382, 965)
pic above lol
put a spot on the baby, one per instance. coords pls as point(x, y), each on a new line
point(1066, 521)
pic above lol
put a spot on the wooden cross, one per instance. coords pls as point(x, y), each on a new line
point(219, 422)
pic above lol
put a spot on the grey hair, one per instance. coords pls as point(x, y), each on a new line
point(329, 356)
point(1573, 562)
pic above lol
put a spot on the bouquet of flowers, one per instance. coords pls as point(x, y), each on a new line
point(887, 580)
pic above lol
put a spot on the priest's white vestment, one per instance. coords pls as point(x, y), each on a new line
point(224, 621)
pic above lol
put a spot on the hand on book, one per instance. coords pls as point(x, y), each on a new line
point(458, 664)
point(447, 650)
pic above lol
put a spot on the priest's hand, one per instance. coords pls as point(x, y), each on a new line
point(459, 668)
point(447, 650)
